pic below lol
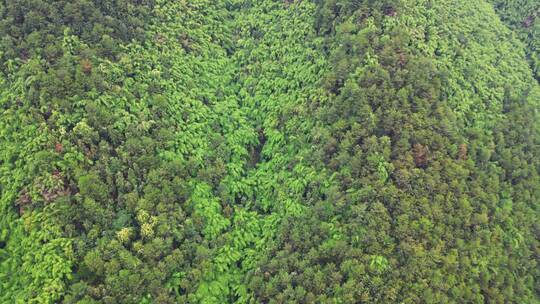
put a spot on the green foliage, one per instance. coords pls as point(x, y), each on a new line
point(524, 18)
point(243, 151)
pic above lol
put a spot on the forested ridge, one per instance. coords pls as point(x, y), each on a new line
point(260, 151)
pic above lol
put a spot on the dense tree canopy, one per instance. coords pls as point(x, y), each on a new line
point(524, 18)
point(259, 151)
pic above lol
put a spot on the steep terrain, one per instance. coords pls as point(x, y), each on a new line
point(257, 151)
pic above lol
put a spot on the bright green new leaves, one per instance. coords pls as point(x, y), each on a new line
point(208, 207)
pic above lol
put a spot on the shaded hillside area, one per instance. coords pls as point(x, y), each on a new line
point(523, 17)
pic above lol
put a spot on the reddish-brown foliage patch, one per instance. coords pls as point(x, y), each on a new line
point(420, 154)
point(86, 66)
point(462, 151)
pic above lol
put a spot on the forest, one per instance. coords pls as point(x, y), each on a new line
point(269, 151)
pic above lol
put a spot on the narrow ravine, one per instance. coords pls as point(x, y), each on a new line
point(280, 66)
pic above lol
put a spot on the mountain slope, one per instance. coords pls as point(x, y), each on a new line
point(256, 151)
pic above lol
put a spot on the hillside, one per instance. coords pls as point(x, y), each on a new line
point(259, 151)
